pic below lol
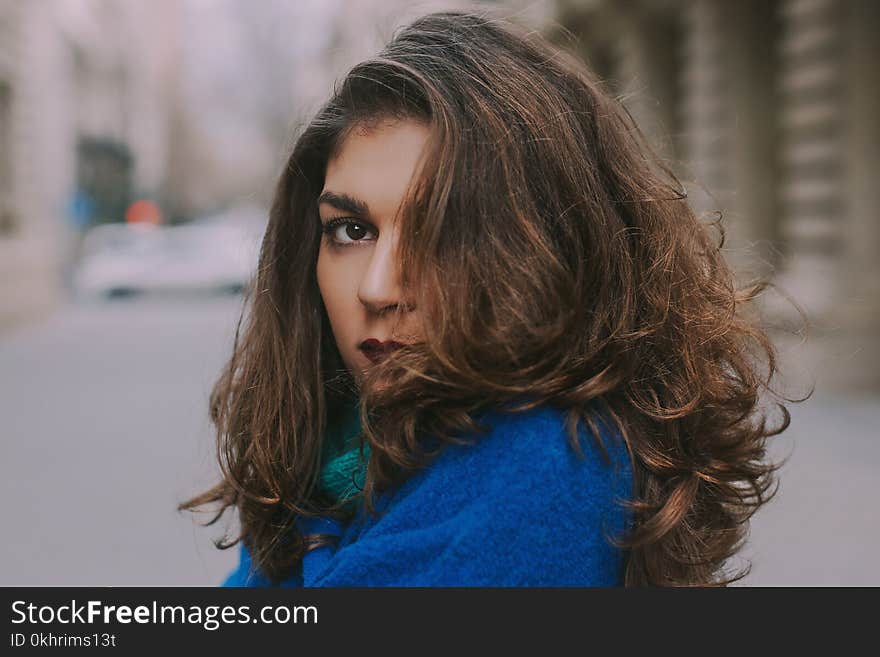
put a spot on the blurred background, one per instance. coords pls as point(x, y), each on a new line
point(139, 144)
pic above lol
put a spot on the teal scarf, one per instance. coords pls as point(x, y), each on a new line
point(342, 469)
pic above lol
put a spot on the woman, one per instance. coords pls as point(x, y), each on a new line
point(489, 342)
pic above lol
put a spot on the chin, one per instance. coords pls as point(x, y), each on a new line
point(376, 384)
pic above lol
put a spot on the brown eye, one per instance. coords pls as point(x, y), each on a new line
point(354, 231)
point(346, 232)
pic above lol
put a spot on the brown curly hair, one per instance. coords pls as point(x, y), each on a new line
point(552, 256)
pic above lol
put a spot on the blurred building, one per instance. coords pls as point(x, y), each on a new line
point(84, 87)
point(769, 111)
point(252, 73)
point(766, 109)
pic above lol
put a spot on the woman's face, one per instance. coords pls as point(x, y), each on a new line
point(357, 268)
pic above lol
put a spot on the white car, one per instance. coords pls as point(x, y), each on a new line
point(215, 254)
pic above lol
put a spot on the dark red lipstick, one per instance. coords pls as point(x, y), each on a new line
point(375, 349)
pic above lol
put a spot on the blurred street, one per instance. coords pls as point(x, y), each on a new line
point(106, 429)
point(823, 528)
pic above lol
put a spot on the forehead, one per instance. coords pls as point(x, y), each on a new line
point(376, 165)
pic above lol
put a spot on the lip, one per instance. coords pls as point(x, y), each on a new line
point(376, 350)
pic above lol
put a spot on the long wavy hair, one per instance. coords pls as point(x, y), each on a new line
point(552, 258)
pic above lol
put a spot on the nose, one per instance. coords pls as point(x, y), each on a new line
point(379, 290)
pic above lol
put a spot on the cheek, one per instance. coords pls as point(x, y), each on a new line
point(337, 283)
point(338, 286)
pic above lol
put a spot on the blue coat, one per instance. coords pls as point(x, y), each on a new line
point(517, 508)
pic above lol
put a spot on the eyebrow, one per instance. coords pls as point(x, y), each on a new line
point(345, 202)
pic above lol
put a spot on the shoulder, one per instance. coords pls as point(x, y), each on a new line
point(533, 451)
point(525, 465)
point(545, 430)
point(517, 506)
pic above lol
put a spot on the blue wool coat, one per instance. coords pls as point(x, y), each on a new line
point(517, 508)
